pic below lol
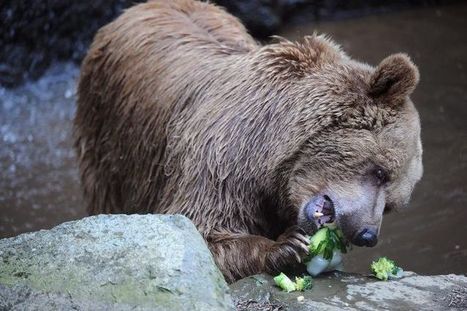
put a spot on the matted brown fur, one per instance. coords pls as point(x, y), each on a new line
point(181, 111)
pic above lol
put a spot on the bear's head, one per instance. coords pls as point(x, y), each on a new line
point(356, 151)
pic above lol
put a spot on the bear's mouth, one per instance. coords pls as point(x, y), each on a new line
point(320, 210)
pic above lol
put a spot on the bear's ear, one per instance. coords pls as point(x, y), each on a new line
point(394, 79)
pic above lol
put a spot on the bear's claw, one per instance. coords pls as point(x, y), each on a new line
point(289, 249)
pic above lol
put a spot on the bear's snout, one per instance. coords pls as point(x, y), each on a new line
point(351, 216)
point(365, 237)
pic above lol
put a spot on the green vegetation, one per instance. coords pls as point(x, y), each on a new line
point(300, 284)
point(303, 283)
point(285, 283)
point(385, 268)
point(325, 241)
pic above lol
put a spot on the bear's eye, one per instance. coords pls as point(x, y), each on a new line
point(381, 175)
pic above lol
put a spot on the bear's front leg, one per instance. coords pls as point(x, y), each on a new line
point(241, 255)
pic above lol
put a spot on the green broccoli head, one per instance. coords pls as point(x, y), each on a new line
point(385, 268)
point(303, 283)
point(285, 283)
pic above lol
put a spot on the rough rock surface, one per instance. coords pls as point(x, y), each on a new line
point(342, 291)
point(119, 262)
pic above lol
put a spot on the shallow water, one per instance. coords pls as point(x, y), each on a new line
point(39, 185)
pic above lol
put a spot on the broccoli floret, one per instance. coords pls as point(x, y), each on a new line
point(285, 283)
point(325, 241)
point(385, 269)
point(300, 284)
point(303, 283)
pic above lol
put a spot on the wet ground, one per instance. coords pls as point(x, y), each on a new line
point(39, 185)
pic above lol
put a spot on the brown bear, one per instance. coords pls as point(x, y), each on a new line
point(180, 111)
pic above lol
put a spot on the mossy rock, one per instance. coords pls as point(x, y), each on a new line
point(112, 261)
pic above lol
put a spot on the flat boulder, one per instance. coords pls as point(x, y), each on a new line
point(119, 262)
point(344, 291)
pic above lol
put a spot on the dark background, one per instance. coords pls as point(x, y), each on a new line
point(42, 43)
point(35, 33)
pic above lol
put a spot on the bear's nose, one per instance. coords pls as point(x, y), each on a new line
point(366, 237)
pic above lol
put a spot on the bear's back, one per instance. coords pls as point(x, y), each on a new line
point(129, 91)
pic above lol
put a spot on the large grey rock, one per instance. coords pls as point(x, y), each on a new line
point(112, 262)
point(342, 291)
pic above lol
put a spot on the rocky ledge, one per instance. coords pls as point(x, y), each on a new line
point(344, 291)
point(157, 262)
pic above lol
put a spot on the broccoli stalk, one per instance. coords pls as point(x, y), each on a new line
point(285, 283)
point(326, 248)
point(385, 269)
point(300, 284)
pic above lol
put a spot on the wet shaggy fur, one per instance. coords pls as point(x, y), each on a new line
point(180, 111)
